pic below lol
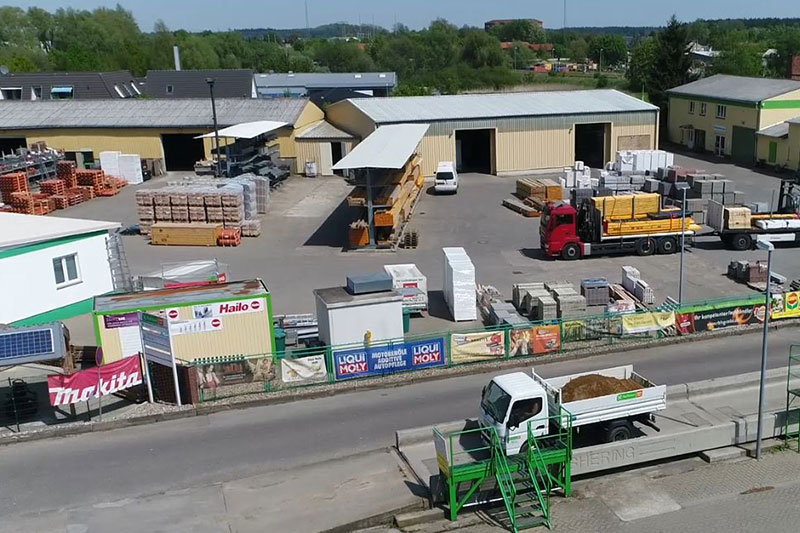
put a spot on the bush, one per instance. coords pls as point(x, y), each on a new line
point(602, 81)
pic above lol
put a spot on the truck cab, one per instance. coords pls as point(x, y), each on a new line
point(558, 233)
point(509, 402)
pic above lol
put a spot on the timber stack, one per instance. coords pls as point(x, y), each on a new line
point(532, 195)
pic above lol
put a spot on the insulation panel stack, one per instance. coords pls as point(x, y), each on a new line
point(632, 282)
point(459, 284)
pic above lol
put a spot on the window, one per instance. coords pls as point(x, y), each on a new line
point(563, 219)
point(691, 108)
point(169, 89)
point(66, 270)
point(119, 91)
point(11, 93)
point(36, 92)
point(495, 401)
point(722, 111)
point(61, 92)
point(702, 109)
point(524, 410)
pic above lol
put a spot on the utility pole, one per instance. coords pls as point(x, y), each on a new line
point(762, 390)
point(210, 82)
point(308, 27)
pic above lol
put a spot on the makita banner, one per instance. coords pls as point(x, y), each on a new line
point(386, 359)
point(91, 383)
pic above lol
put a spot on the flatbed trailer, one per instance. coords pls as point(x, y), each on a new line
point(745, 238)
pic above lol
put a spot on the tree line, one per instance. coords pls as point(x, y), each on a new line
point(439, 58)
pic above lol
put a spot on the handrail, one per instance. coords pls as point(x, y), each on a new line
point(503, 476)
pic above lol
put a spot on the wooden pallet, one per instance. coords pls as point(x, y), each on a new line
point(521, 208)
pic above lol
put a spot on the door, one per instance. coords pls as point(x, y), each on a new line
point(743, 145)
point(524, 412)
point(325, 159)
point(719, 145)
point(773, 152)
point(690, 140)
point(699, 141)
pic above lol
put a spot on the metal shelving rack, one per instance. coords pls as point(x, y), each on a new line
point(792, 395)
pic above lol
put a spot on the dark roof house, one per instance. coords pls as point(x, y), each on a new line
point(325, 87)
point(68, 85)
point(228, 83)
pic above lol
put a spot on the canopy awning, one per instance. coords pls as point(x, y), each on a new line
point(388, 147)
point(247, 130)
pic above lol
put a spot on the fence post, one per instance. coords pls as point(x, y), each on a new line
point(448, 341)
point(507, 341)
point(329, 362)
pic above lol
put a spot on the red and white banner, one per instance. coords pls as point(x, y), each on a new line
point(255, 305)
point(86, 384)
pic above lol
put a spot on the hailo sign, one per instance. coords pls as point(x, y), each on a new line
point(255, 305)
point(86, 384)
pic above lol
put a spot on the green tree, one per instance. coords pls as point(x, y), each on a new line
point(341, 56)
point(520, 30)
point(740, 59)
point(578, 50)
point(482, 50)
point(640, 68)
point(520, 55)
point(786, 41)
point(610, 50)
point(672, 62)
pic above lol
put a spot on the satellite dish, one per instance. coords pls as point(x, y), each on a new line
point(3, 70)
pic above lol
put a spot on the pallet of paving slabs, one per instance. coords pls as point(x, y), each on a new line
point(178, 234)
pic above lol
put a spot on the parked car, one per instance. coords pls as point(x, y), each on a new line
point(446, 178)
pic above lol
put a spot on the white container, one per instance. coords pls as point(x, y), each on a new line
point(130, 168)
point(346, 318)
point(109, 163)
point(411, 283)
point(459, 285)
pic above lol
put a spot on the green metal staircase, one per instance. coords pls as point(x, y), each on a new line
point(521, 490)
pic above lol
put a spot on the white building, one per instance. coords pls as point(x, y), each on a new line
point(50, 267)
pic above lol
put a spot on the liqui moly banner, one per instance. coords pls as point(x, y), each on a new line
point(387, 359)
point(86, 384)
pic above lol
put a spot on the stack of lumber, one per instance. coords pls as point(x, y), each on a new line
point(176, 234)
point(394, 195)
point(628, 206)
point(532, 195)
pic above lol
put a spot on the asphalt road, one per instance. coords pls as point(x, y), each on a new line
point(95, 469)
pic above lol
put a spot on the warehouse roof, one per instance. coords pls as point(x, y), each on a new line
point(497, 105)
point(325, 80)
point(144, 113)
point(247, 130)
point(737, 88)
point(781, 129)
point(164, 298)
point(323, 130)
point(228, 83)
point(387, 147)
point(22, 230)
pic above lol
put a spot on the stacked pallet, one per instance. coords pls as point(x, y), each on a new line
point(627, 207)
point(176, 234)
point(534, 194)
point(395, 195)
point(14, 182)
point(595, 290)
point(66, 171)
point(534, 301)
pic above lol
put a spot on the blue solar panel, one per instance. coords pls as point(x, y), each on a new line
point(26, 343)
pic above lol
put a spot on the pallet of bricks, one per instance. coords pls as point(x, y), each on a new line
point(198, 215)
point(398, 192)
point(15, 193)
point(532, 195)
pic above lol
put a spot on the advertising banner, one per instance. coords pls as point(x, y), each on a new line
point(714, 319)
point(377, 360)
point(534, 340)
point(440, 445)
point(647, 322)
point(121, 321)
point(304, 370)
point(199, 325)
point(790, 307)
point(91, 383)
point(470, 347)
point(214, 376)
point(255, 305)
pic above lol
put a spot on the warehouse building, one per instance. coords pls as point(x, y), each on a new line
point(511, 133)
point(159, 129)
point(722, 114)
point(325, 87)
point(51, 268)
point(324, 145)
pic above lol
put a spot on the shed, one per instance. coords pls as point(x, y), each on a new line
point(51, 267)
point(324, 144)
point(358, 319)
point(511, 133)
point(227, 320)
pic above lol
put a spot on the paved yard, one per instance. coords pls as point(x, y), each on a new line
point(305, 229)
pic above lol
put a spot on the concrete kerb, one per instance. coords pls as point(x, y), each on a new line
point(377, 383)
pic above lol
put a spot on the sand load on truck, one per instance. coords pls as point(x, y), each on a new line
point(594, 386)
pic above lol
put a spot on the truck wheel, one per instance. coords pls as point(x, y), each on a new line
point(741, 242)
point(645, 246)
point(667, 245)
point(570, 252)
point(619, 430)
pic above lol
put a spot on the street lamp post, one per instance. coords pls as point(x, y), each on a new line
point(600, 67)
point(210, 82)
point(683, 243)
point(769, 247)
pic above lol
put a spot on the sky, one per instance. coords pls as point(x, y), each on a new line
point(197, 15)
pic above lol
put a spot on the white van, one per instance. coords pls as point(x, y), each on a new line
point(446, 178)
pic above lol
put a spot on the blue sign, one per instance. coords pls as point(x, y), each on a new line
point(387, 359)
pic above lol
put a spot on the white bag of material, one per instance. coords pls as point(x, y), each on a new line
point(130, 168)
point(109, 163)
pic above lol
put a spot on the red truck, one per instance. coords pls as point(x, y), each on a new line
point(571, 233)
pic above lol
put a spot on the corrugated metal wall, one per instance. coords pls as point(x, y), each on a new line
point(145, 142)
point(531, 143)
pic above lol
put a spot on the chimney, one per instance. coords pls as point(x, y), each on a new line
point(795, 73)
point(177, 54)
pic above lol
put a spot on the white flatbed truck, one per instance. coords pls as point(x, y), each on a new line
point(511, 401)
